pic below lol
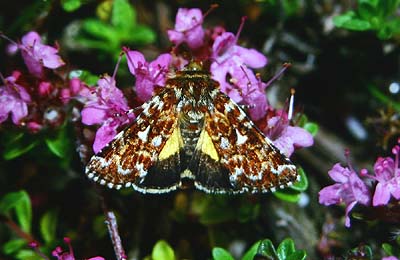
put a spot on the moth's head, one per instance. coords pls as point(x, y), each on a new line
point(194, 66)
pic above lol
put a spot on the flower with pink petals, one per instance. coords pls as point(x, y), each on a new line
point(284, 136)
point(37, 55)
point(148, 75)
point(69, 255)
point(188, 28)
point(14, 99)
point(349, 189)
point(390, 258)
point(107, 107)
point(387, 174)
point(231, 61)
point(77, 90)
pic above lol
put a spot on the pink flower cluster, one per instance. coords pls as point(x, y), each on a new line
point(69, 255)
point(350, 189)
point(33, 99)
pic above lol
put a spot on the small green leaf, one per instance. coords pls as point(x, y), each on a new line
point(13, 246)
point(349, 21)
point(123, 16)
point(221, 254)
point(48, 225)
point(312, 128)
point(301, 185)
point(17, 144)
point(26, 254)
point(21, 203)
point(249, 255)
point(100, 30)
point(162, 251)
point(288, 195)
point(266, 249)
point(60, 144)
point(71, 5)
point(285, 248)
point(85, 76)
point(387, 248)
point(298, 255)
point(140, 35)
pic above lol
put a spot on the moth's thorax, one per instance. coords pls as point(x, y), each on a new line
point(195, 92)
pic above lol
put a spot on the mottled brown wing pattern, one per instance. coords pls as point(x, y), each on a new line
point(244, 160)
point(136, 157)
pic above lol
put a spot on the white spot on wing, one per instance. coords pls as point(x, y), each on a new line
point(224, 143)
point(141, 170)
point(123, 171)
point(143, 134)
point(241, 139)
point(156, 141)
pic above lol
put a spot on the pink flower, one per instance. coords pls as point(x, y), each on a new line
point(390, 258)
point(232, 62)
point(285, 137)
point(107, 107)
point(349, 189)
point(69, 255)
point(77, 90)
point(188, 28)
point(148, 75)
point(387, 175)
point(37, 55)
point(14, 99)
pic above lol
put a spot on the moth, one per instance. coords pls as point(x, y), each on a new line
point(192, 134)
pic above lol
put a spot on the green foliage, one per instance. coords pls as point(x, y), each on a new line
point(162, 251)
point(385, 99)
point(379, 16)
point(293, 193)
point(264, 248)
point(363, 251)
point(392, 250)
point(121, 28)
point(20, 204)
point(48, 225)
point(17, 143)
point(71, 5)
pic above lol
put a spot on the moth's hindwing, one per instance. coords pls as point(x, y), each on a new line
point(233, 156)
point(146, 155)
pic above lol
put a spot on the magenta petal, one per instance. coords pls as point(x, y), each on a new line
point(259, 101)
point(381, 195)
point(93, 115)
point(300, 136)
point(195, 37)
point(359, 189)
point(104, 135)
point(330, 195)
point(251, 57)
point(31, 38)
point(50, 57)
point(34, 66)
point(222, 43)
point(162, 61)
point(19, 111)
point(135, 59)
point(96, 258)
point(348, 209)
point(339, 173)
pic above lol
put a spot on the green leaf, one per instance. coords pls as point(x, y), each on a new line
point(348, 21)
point(48, 225)
point(298, 255)
point(383, 98)
point(71, 5)
point(266, 249)
point(162, 251)
point(21, 203)
point(288, 195)
point(28, 255)
point(301, 185)
point(221, 254)
point(85, 76)
point(141, 35)
point(387, 248)
point(312, 128)
point(60, 144)
point(13, 246)
point(17, 144)
point(249, 255)
point(100, 30)
point(285, 248)
point(123, 16)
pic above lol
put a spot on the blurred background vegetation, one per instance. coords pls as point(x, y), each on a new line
point(345, 68)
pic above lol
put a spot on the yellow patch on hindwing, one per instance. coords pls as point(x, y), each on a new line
point(172, 145)
point(205, 144)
